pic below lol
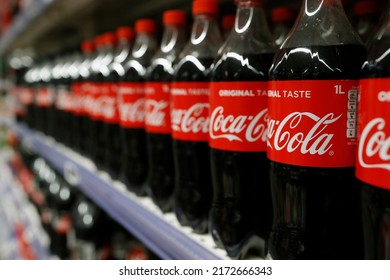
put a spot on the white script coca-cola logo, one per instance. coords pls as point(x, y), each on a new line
point(155, 115)
point(291, 135)
point(375, 145)
point(194, 120)
point(230, 126)
point(133, 112)
point(105, 106)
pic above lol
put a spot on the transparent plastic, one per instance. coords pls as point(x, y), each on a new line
point(321, 23)
point(241, 212)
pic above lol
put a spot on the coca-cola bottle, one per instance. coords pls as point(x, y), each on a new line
point(115, 70)
point(131, 101)
point(366, 13)
point(312, 137)
point(105, 103)
point(282, 19)
point(157, 107)
point(238, 134)
point(91, 229)
point(87, 48)
point(190, 118)
point(373, 161)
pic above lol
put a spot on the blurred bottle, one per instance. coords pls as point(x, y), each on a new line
point(373, 161)
point(283, 19)
point(131, 98)
point(190, 118)
point(125, 36)
point(312, 137)
point(366, 14)
point(157, 118)
point(105, 104)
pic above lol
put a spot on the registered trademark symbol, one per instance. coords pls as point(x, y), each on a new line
point(331, 153)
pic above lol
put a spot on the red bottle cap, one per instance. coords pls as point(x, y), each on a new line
point(109, 38)
point(228, 21)
point(125, 32)
point(365, 7)
point(87, 46)
point(282, 14)
point(205, 7)
point(145, 26)
point(174, 17)
point(98, 41)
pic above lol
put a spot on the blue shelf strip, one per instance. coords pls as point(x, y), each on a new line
point(153, 229)
point(22, 22)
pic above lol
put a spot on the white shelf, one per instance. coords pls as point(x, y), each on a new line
point(159, 232)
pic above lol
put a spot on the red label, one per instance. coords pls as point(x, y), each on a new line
point(238, 116)
point(373, 160)
point(313, 123)
point(107, 103)
point(44, 97)
point(190, 111)
point(131, 98)
point(25, 95)
point(157, 110)
point(93, 96)
point(63, 101)
point(76, 98)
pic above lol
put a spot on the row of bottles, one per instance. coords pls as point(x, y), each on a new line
point(76, 226)
point(252, 143)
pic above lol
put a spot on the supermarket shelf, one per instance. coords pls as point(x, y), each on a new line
point(20, 220)
point(159, 232)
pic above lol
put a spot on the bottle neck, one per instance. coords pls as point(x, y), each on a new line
point(251, 24)
point(145, 44)
point(322, 23)
point(205, 30)
point(174, 37)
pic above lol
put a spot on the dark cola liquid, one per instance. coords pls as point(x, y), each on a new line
point(316, 210)
point(241, 213)
point(134, 150)
point(161, 175)
point(193, 189)
point(375, 200)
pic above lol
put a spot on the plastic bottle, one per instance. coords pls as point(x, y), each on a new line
point(95, 146)
point(282, 18)
point(157, 106)
point(312, 137)
point(131, 100)
point(190, 118)
point(106, 104)
point(372, 160)
point(87, 48)
point(241, 213)
point(125, 36)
